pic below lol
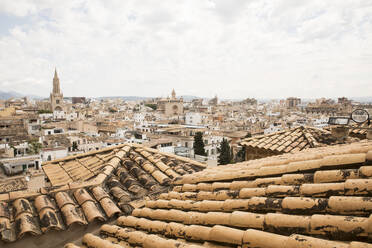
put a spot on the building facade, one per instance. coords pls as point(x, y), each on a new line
point(171, 106)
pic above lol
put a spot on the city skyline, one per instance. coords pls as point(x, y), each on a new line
point(262, 49)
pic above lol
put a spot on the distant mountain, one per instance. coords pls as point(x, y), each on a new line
point(125, 98)
point(11, 94)
point(366, 99)
point(190, 98)
point(141, 98)
point(5, 95)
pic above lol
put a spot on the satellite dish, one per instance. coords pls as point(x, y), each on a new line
point(359, 116)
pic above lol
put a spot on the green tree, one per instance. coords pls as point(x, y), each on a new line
point(44, 111)
point(34, 147)
point(199, 144)
point(240, 155)
point(225, 155)
point(151, 105)
point(74, 146)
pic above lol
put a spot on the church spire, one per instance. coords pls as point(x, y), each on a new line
point(55, 72)
point(173, 94)
point(56, 87)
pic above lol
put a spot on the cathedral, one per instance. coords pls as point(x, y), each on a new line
point(56, 97)
point(171, 106)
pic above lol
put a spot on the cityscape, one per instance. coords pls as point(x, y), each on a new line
point(119, 157)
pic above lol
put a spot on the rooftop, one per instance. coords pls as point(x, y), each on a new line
point(319, 197)
point(89, 188)
point(294, 139)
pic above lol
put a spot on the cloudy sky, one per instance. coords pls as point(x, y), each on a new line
point(232, 48)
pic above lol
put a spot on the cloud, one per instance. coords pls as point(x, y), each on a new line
point(202, 47)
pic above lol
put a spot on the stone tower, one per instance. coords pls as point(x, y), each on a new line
point(56, 97)
point(173, 94)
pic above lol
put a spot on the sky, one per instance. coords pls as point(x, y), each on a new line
point(229, 48)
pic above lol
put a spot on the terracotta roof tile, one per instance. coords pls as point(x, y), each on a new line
point(294, 139)
point(117, 176)
point(314, 198)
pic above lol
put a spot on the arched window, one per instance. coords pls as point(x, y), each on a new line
point(175, 109)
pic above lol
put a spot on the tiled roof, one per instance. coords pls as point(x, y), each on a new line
point(360, 130)
point(294, 139)
point(320, 197)
point(87, 187)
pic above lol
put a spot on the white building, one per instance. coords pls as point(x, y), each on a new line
point(139, 117)
point(320, 123)
point(51, 131)
point(211, 145)
point(20, 164)
point(193, 118)
point(48, 154)
point(275, 127)
point(59, 115)
point(71, 116)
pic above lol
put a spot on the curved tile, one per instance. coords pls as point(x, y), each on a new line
point(49, 220)
point(63, 198)
point(6, 232)
point(82, 196)
point(120, 194)
point(109, 207)
point(104, 199)
point(160, 177)
point(93, 241)
point(25, 223)
point(91, 211)
point(72, 215)
point(99, 193)
point(22, 206)
point(148, 167)
point(4, 224)
point(42, 202)
point(4, 210)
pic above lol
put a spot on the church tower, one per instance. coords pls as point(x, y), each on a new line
point(56, 97)
point(173, 94)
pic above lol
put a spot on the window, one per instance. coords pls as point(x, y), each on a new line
point(57, 101)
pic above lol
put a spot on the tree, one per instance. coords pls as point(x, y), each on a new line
point(151, 105)
point(199, 144)
point(34, 147)
point(74, 146)
point(44, 111)
point(240, 155)
point(225, 155)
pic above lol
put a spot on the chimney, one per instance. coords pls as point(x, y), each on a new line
point(340, 132)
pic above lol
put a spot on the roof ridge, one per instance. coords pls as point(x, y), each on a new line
point(309, 139)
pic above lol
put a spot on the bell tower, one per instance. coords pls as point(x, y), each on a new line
point(56, 97)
